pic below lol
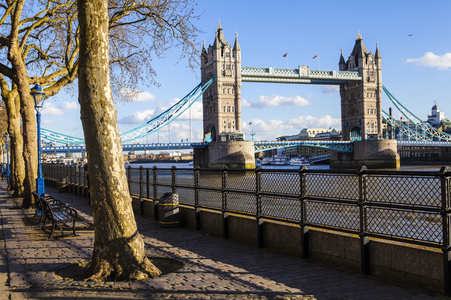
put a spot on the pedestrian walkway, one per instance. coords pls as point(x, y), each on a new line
point(214, 268)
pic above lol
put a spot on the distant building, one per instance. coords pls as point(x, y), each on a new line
point(446, 126)
point(436, 117)
point(312, 133)
point(323, 134)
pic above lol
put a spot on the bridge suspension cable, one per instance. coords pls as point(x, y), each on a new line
point(166, 117)
point(418, 129)
point(406, 130)
point(145, 129)
point(60, 138)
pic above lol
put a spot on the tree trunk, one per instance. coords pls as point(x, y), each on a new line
point(17, 164)
point(118, 247)
point(20, 78)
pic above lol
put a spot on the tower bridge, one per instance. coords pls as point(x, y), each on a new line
point(359, 79)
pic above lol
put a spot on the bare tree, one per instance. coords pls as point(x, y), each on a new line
point(118, 248)
point(44, 42)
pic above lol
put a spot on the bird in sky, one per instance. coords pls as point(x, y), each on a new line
point(410, 34)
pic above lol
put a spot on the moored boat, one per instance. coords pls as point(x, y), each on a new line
point(276, 160)
point(299, 161)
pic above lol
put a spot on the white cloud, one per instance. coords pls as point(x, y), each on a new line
point(50, 109)
point(325, 121)
point(144, 97)
point(139, 117)
point(433, 61)
point(70, 105)
point(138, 96)
point(195, 112)
point(266, 130)
point(47, 122)
point(329, 89)
point(276, 100)
point(245, 103)
point(59, 110)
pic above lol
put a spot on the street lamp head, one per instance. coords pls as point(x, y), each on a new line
point(38, 96)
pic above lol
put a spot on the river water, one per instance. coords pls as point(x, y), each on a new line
point(416, 190)
point(425, 168)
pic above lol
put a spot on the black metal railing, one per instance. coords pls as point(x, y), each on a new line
point(411, 207)
point(405, 206)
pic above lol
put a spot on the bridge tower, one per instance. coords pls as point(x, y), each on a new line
point(361, 108)
point(222, 107)
point(222, 100)
point(361, 113)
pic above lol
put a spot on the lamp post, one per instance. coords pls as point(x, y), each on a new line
point(39, 97)
point(3, 158)
point(7, 157)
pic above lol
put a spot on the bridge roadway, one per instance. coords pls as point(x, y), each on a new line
point(302, 75)
point(341, 146)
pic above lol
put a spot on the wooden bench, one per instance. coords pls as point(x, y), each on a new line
point(39, 206)
point(57, 212)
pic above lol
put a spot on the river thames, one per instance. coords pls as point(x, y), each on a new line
point(425, 168)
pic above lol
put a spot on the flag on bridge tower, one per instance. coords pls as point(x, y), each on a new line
point(316, 56)
point(286, 55)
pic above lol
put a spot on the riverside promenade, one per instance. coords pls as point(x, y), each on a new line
point(214, 268)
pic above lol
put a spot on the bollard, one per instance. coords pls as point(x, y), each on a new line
point(62, 185)
point(168, 210)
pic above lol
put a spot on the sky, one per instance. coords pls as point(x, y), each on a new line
point(414, 43)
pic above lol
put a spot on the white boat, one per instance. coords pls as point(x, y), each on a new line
point(299, 161)
point(276, 160)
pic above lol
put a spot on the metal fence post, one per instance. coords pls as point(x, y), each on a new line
point(57, 176)
point(85, 183)
point(147, 183)
point(258, 198)
point(224, 209)
point(155, 199)
point(196, 198)
point(303, 222)
point(141, 196)
point(80, 168)
point(154, 182)
point(173, 179)
point(129, 179)
point(140, 182)
point(70, 182)
point(445, 212)
point(364, 239)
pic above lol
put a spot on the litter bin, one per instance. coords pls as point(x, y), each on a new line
point(62, 185)
point(168, 210)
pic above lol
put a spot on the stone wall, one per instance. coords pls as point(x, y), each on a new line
point(374, 154)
